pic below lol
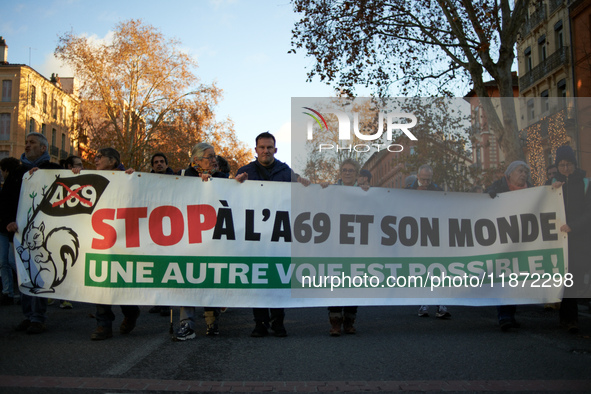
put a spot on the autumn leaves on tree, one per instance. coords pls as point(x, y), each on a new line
point(140, 95)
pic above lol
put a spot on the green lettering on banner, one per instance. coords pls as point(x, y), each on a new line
point(133, 271)
point(219, 272)
point(419, 271)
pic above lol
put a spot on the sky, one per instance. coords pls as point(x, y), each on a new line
point(240, 45)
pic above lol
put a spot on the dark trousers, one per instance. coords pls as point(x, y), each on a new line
point(34, 308)
point(347, 310)
point(262, 314)
point(569, 310)
point(506, 312)
point(105, 315)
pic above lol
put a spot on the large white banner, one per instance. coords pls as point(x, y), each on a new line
point(147, 239)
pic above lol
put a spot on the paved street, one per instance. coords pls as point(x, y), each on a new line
point(394, 350)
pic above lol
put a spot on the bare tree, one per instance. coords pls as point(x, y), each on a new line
point(417, 47)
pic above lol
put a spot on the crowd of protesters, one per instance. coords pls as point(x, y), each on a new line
point(205, 164)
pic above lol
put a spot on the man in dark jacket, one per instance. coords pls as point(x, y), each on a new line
point(35, 157)
point(8, 202)
point(577, 206)
point(159, 164)
point(267, 168)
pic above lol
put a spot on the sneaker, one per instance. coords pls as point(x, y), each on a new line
point(66, 305)
point(260, 330)
point(184, 333)
point(23, 326)
point(101, 333)
point(36, 328)
point(442, 312)
point(424, 311)
point(128, 324)
point(212, 330)
point(278, 328)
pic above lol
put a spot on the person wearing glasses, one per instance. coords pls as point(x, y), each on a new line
point(577, 206)
point(204, 166)
point(424, 181)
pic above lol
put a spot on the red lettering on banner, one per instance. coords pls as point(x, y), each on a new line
point(103, 229)
point(132, 218)
point(177, 225)
point(195, 215)
point(199, 218)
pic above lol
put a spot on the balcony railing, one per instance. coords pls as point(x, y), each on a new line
point(534, 20)
point(555, 60)
point(553, 5)
point(63, 154)
point(54, 151)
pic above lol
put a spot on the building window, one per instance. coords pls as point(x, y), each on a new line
point(545, 101)
point(476, 119)
point(63, 142)
point(530, 109)
point(53, 137)
point(32, 125)
point(64, 114)
point(561, 88)
point(33, 95)
point(4, 127)
point(45, 102)
point(44, 129)
point(542, 48)
point(7, 90)
point(54, 108)
point(528, 64)
point(559, 35)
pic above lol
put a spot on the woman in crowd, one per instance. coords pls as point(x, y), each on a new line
point(516, 178)
point(203, 165)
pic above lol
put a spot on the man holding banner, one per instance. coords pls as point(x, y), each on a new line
point(35, 157)
point(267, 168)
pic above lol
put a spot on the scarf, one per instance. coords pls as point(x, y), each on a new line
point(37, 162)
